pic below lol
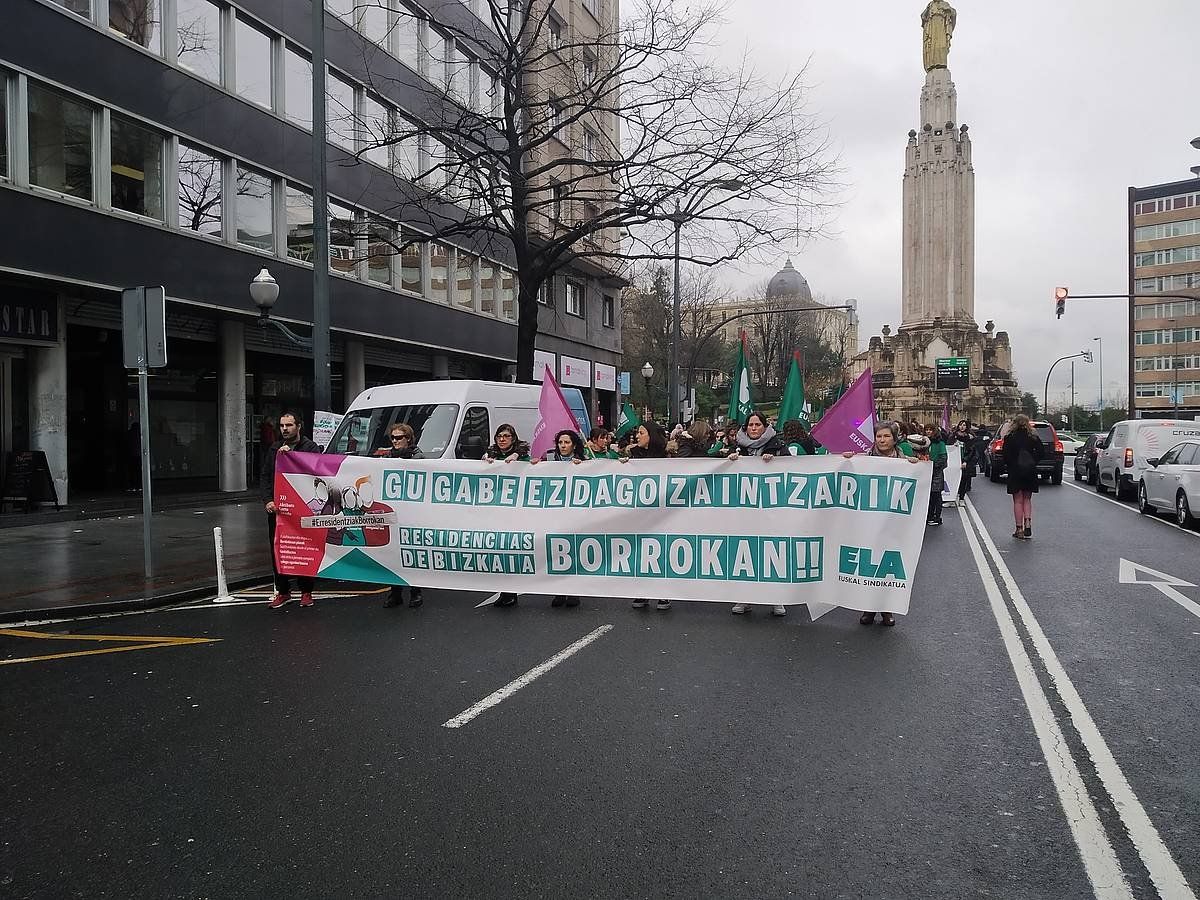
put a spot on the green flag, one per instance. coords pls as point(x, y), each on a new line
point(740, 406)
point(629, 420)
point(792, 405)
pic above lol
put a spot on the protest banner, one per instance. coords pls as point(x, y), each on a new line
point(953, 472)
point(822, 530)
point(324, 426)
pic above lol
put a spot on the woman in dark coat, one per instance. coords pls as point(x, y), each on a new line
point(758, 438)
point(403, 446)
point(1022, 450)
point(649, 442)
point(966, 440)
point(507, 447)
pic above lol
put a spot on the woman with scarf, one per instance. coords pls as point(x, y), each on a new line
point(758, 438)
point(506, 447)
point(403, 442)
point(568, 448)
point(650, 442)
point(887, 445)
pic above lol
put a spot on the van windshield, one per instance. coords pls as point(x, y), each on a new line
point(363, 432)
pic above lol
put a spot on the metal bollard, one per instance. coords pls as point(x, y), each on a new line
point(223, 595)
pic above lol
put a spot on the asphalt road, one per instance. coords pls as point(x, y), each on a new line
point(303, 753)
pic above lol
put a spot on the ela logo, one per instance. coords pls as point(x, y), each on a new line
point(857, 561)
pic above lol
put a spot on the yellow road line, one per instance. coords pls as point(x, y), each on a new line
point(173, 643)
point(133, 638)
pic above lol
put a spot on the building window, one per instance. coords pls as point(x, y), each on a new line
point(137, 169)
point(435, 57)
point(487, 287)
point(493, 98)
point(376, 126)
point(410, 268)
point(464, 282)
point(4, 127)
point(299, 204)
point(545, 294)
point(343, 9)
point(609, 311)
point(574, 299)
point(555, 30)
point(79, 7)
point(458, 73)
point(297, 87)
point(199, 187)
point(374, 17)
point(589, 145)
point(252, 63)
point(255, 209)
point(139, 21)
point(589, 68)
point(380, 240)
point(60, 143)
point(1167, 257)
point(557, 194)
point(343, 254)
point(1166, 204)
point(1165, 283)
point(508, 295)
point(1167, 230)
point(339, 113)
point(554, 114)
point(408, 38)
point(198, 26)
point(406, 159)
point(439, 272)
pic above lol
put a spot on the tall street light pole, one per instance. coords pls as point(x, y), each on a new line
point(1100, 364)
point(322, 391)
point(673, 364)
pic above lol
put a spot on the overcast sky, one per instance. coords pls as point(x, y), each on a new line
point(1068, 101)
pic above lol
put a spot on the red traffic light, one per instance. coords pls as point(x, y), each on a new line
point(1060, 301)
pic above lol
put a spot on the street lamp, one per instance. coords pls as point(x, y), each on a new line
point(264, 291)
point(1086, 355)
point(648, 373)
point(678, 218)
point(1100, 364)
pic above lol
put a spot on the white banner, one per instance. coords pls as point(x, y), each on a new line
point(542, 360)
point(953, 471)
point(822, 530)
point(574, 372)
point(324, 425)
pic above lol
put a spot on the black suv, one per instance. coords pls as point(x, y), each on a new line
point(1049, 467)
point(1086, 468)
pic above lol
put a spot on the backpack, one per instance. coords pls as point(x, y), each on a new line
point(1026, 464)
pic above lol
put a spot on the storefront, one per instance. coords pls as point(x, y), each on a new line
point(29, 323)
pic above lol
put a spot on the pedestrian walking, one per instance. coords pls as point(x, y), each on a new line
point(940, 459)
point(650, 442)
point(758, 438)
point(509, 448)
point(402, 442)
point(964, 437)
point(886, 446)
point(1022, 451)
point(290, 439)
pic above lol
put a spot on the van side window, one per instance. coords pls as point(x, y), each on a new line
point(1119, 435)
point(475, 434)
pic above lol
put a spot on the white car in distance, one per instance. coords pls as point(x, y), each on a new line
point(1172, 482)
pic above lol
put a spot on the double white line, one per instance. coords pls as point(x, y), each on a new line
point(1099, 859)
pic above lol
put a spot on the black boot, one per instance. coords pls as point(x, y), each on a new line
point(395, 597)
point(558, 600)
point(506, 600)
point(415, 597)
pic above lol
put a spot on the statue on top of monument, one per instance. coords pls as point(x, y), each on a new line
point(937, 23)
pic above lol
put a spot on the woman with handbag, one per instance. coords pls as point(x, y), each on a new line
point(1022, 450)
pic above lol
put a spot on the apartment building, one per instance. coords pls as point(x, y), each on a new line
point(147, 142)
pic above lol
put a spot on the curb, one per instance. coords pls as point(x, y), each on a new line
point(87, 610)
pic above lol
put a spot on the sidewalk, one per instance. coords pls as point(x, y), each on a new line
point(56, 568)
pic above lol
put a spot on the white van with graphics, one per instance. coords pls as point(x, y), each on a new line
point(454, 419)
point(1130, 443)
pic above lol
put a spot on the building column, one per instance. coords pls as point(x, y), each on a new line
point(48, 405)
point(231, 407)
point(441, 366)
point(354, 371)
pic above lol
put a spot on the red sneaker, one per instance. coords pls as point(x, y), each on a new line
point(279, 600)
point(306, 599)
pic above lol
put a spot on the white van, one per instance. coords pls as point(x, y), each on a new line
point(453, 419)
point(1130, 443)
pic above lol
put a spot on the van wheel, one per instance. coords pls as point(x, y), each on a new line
point(1119, 487)
point(1143, 501)
point(1183, 513)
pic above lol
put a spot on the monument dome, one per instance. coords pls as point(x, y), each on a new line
point(788, 282)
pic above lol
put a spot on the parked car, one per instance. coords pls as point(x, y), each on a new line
point(1130, 443)
point(1051, 465)
point(1085, 457)
point(1172, 481)
point(1071, 442)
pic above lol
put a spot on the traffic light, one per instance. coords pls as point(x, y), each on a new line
point(1060, 301)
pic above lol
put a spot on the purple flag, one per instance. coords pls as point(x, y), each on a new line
point(849, 425)
point(555, 416)
point(946, 416)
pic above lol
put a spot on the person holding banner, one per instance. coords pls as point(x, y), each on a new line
point(727, 443)
point(568, 447)
point(599, 444)
point(289, 439)
point(799, 442)
point(758, 439)
point(403, 442)
point(650, 442)
point(508, 447)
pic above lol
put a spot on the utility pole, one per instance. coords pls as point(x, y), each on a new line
point(322, 391)
point(1072, 396)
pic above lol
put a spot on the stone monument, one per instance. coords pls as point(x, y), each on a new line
point(938, 298)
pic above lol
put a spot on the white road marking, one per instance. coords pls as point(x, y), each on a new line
point(1162, 582)
point(1099, 859)
point(1134, 509)
point(1164, 871)
point(532, 675)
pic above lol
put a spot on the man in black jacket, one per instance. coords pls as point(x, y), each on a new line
point(289, 439)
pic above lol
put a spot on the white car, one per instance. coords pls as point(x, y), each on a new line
point(1172, 481)
point(1071, 444)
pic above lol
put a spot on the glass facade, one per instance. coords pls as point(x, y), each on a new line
point(200, 191)
point(299, 223)
point(297, 87)
point(255, 209)
point(508, 295)
point(339, 111)
point(139, 21)
point(137, 168)
point(60, 143)
point(198, 23)
point(375, 25)
point(3, 126)
point(487, 287)
point(439, 272)
point(380, 250)
point(342, 252)
point(464, 282)
point(407, 37)
point(252, 63)
point(410, 268)
point(376, 130)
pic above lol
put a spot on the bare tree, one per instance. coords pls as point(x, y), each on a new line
point(582, 146)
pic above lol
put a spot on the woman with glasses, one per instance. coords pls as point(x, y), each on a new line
point(506, 447)
point(403, 442)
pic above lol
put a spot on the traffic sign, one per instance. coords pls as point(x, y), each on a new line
point(144, 327)
point(952, 373)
